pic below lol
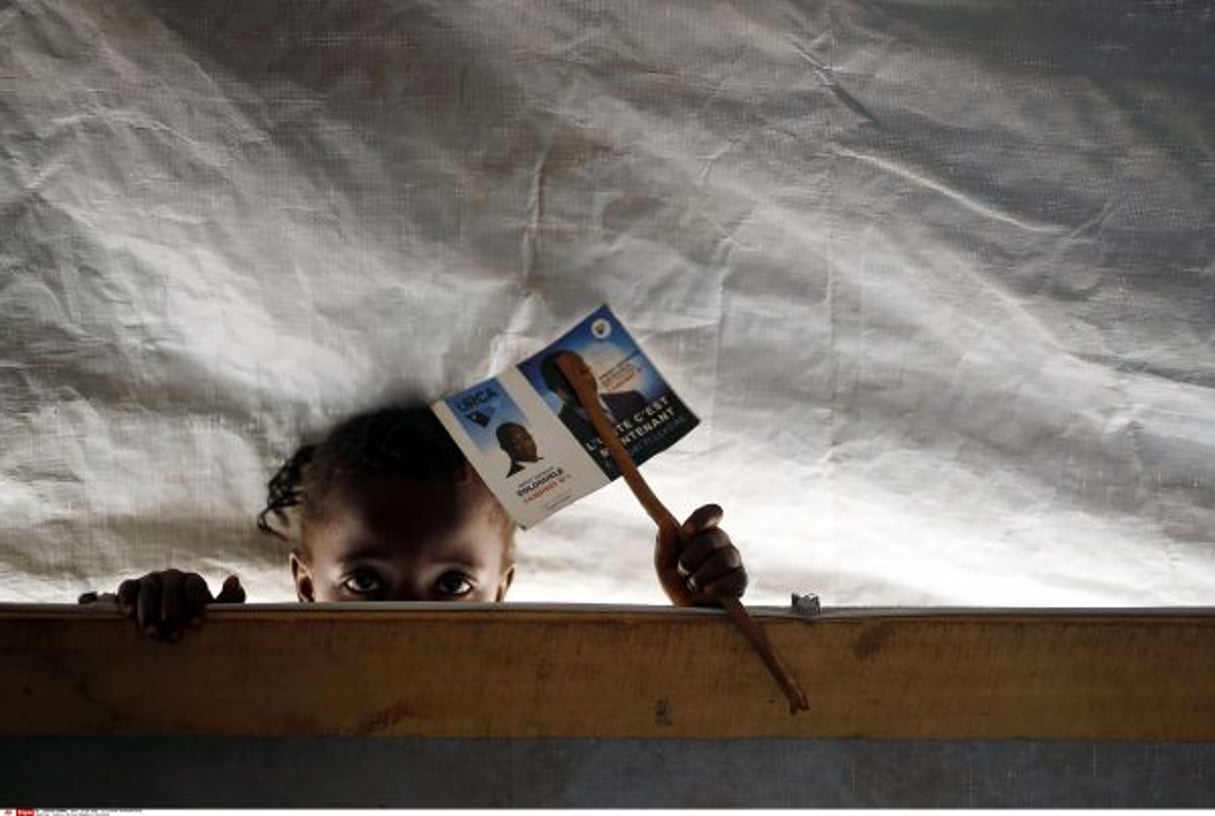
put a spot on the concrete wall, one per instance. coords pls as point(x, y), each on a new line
point(334, 772)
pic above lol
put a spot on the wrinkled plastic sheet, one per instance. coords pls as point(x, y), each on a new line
point(938, 277)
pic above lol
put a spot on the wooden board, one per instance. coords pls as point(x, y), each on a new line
point(519, 672)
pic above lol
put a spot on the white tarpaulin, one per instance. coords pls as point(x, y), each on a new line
point(938, 277)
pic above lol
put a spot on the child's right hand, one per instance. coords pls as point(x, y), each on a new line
point(699, 564)
point(164, 603)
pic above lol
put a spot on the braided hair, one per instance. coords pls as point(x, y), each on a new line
point(405, 441)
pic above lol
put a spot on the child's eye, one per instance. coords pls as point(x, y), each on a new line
point(454, 584)
point(363, 582)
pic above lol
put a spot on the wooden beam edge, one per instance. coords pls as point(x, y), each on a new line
point(589, 671)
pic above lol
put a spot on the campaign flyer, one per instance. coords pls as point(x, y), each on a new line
point(531, 441)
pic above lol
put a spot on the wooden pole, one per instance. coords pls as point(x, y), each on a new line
point(582, 380)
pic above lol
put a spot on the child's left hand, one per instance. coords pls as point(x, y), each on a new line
point(707, 568)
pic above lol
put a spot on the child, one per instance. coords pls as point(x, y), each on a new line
point(390, 510)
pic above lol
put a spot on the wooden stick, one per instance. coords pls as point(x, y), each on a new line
point(582, 380)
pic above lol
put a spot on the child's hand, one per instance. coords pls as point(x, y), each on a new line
point(705, 570)
point(165, 603)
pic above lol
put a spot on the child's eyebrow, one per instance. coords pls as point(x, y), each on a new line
point(459, 561)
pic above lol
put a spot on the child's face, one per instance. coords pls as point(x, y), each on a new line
point(392, 539)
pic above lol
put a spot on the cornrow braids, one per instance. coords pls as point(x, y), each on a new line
point(285, 490)
point(402, 441)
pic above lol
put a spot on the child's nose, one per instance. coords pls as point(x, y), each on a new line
point(409, 594)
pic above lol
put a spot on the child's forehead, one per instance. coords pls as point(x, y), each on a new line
point(402, 515)
point(393, 503)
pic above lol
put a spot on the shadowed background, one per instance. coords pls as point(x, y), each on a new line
point(938, 278)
